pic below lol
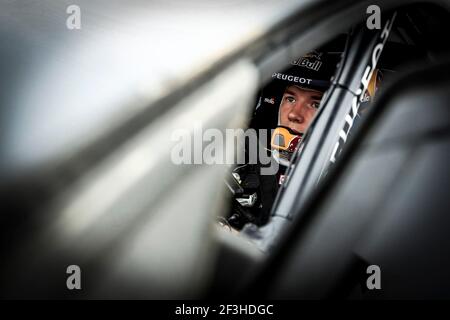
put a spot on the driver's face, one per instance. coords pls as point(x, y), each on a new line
point(298, 107)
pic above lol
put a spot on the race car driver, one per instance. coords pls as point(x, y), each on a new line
point(286, 106)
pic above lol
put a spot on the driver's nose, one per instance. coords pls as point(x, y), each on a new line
point(296, 114)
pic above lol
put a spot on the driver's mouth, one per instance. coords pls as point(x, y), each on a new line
point(295, 131)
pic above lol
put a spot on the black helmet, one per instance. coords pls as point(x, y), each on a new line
point(313, 70)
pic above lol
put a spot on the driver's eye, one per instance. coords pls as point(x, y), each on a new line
point(290, 99)
point(315, 104)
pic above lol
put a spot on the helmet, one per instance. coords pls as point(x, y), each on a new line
point(311, 71)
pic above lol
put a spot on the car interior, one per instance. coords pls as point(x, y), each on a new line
point(315, 260)
point(384, 201)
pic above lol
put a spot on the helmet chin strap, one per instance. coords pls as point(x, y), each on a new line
point(284, 142)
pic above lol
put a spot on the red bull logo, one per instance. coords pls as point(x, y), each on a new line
point(310, 61)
